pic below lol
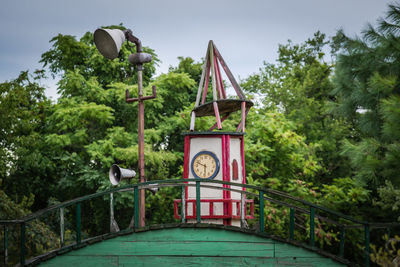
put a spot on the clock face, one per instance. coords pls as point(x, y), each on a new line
point(205, 165)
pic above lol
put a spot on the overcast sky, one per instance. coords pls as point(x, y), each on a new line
point(246, 32)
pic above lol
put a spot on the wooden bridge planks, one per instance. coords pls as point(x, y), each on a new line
point(190, 247)
point(189, 234)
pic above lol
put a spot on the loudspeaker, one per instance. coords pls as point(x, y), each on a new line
point(109, 41)
point(116, 174)
point(139, 58)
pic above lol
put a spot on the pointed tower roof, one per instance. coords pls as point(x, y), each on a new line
point(220, 105)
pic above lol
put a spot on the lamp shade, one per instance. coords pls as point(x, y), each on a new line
point(109, 42)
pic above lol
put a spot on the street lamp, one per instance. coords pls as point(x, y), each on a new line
point(109, 42)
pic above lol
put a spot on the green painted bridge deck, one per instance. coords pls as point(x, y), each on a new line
point(190, 247)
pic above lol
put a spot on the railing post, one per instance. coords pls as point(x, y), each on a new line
point(78, 223)
point(312, 231)
point(22, 257)
point(111, 212)
point(136, 208)
point(261, 198)
point(183, 202)
point(198, 206)
point(61, 227)
point(291, 224)
point(366, 232)
point(342, 238)
point(5, 245)
point(113, 224)
point(242, 209)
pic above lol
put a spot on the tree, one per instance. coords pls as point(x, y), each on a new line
point(274, 150)
point(40, 238)
point(389, 254)
point(70, 145)
point(189, 66)
point(367, 90)
point(25, 167)
point(299, 87)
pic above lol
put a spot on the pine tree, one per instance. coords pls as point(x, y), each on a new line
point(367, 88)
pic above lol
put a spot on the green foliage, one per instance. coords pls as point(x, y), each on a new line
point(366, 87)
point(160, 206)
point(300, 75)
point(274, 150)
point(343, 195)
point(39, 237)
point(24, 164)
point(299, 87)
point(193, 69)
point(173, 95)
point(189, 66)
point(389, 255)
point(389, 201)
point(70, 145)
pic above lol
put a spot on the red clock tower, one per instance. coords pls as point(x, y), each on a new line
point(213, 154)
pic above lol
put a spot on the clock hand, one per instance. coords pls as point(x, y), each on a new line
point(201, 164)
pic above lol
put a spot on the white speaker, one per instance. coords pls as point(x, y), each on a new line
point(109, 42)
point(116, 174)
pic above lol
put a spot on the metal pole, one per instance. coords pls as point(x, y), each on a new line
point(138, 61)
point(22, 245)
point(136, 210)
point(183, 207)
point(261, 198)
point(342, 239)
point(78, 223)
point(61, 227)
point(312, 226)
point(5, 245)
point(366, 233)
point(113, 223)
point(141, 144)
point(198, 205)
point(291, 224)
point(242, 209)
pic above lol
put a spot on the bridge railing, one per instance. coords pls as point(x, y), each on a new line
point(301, 214)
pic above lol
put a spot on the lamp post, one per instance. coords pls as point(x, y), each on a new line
point(109, 42)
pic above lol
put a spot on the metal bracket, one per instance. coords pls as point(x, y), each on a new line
point(129, 100)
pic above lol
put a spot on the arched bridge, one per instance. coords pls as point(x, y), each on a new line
point(181, 243)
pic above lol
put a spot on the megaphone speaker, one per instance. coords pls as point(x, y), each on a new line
point(116, 174)
point(109, 42)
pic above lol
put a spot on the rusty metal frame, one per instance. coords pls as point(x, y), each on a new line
point(141, 164)
point(211, 68)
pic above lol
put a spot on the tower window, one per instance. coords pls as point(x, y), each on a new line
point(235, 170)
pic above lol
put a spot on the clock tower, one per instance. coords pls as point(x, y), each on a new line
point(216, 155)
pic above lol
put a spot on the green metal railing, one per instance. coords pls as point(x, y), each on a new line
point(262, 194)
